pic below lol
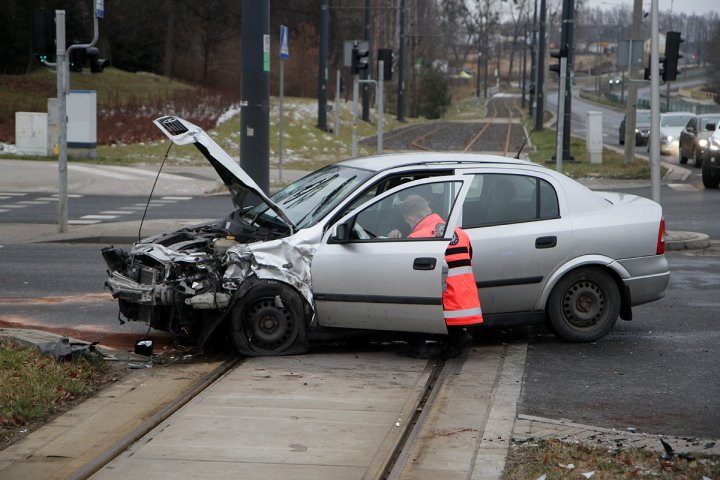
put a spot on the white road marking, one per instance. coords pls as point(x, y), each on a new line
point(83, 222)
point(32, 202)
point(12, 194)
point(49, 199)
point(124, 173)
point(115, 212)
point(99, 217)
point(13, 206)
point(70, 195)
point(176, 198)
point(4, 198)
point(2, 210)
point(682, 187)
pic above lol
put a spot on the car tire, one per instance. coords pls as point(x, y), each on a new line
point(683, 159)
point(697, 160)
point(269, 320)
point(709, 181)
point(584, 305)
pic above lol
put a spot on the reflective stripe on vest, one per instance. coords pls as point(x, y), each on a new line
point(468, 312)
point(459, 271)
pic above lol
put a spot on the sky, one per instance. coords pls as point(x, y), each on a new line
point(684, 6)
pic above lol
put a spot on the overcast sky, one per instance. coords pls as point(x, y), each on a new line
point(684, 6)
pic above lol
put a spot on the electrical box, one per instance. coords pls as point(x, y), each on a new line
point(82, 123)
point(594, 136)
point(31, 133)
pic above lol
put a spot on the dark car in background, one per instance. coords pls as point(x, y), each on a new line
point(642, 128)
point(695, 136)
point(711, 163)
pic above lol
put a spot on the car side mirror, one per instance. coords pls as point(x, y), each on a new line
point(342, 233)
point(710, 127)
point(690, 129)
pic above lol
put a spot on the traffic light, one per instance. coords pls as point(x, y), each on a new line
point(561, 53)
point(672, 55)
point(44, 35)
point(76, 59)
point(386, 55)
point(97, 63)
point(359, 60)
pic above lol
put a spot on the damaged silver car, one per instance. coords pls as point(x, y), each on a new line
point(317, 254)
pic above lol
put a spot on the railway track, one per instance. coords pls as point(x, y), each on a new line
point(390, 416)
point(500, 131)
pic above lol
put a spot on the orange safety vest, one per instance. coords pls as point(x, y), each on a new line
point(461, 304)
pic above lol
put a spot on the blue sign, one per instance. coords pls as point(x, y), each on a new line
point(99, 8)
point(284, 43)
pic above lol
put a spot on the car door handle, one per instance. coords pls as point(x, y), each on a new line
point(424, 263)
point(545, 242)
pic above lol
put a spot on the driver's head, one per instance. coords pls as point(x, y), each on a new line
point(414, 208)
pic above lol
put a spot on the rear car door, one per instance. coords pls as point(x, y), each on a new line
point(519, 236)
point(373, 281)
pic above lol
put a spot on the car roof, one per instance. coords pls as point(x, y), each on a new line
point(672, 114)
point(706, 115)
point(451, 159)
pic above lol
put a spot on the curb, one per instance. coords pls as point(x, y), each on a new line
point(676, 240)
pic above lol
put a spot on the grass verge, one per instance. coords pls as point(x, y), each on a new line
point(554, 459)
point(612, 166)
point(34, 387)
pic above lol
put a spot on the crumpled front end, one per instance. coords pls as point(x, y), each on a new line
point(186, 282)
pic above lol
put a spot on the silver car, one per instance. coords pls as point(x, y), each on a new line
point(318, 254)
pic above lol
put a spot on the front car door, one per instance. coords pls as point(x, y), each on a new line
point(518, 226)
point(374, 281)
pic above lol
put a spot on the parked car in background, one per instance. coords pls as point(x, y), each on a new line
point(642, 128)
point(711, 161)
point(694, 137)
point(318, 254)
point(671, 124)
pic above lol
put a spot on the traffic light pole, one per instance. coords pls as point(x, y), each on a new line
point(380, 106)
point(559, 146)
point(654, 103)
point(62, 69)
point(540, 87)
point(355, 115)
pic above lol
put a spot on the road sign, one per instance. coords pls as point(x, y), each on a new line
point(284, 43)
point(99, 8)
point(347, 49)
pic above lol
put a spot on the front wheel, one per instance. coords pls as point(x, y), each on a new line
point(709, 181)
point(584, 305)
point(269, 320)
point(697, 160)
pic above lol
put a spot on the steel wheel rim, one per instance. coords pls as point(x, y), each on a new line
point(269, 327)
point(583, 304)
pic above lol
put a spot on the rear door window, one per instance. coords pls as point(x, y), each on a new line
point(497, 199)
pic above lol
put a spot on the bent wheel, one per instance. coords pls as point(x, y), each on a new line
point(269, 320)
point(584, 305)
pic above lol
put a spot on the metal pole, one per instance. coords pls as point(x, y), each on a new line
point(322, 65)
point(255, 92)
point(485, 60)
point(477, 79)
point(522, 104)
point(568, 16)
point(401, 66)
point(540, 87)
point(559, 150)
point(280, 123)
point(654, 103)
point(355, 115)
point(337, 102)
point(365, 74)
point(381, 77)
point(62, 70)
point(631, 104)
point(533, 66)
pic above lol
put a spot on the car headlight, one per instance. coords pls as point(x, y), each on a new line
point(702, 142)
point(669, 138)
point(637, 130)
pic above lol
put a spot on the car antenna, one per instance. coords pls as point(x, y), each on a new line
point(153, 189)
point(517, 155)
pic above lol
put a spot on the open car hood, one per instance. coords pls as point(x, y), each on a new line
point(182, 132)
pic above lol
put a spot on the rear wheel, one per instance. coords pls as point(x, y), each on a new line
point(584, 305)
point(269, 320)
point(708, 180)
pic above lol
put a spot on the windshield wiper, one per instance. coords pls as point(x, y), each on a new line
point(327, 199)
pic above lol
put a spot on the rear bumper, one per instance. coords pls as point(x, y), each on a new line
point(648, 280)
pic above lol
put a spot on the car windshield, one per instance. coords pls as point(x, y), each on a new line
point(309, 199)
point(643, 116)
point(705, 120)
point(675, 120)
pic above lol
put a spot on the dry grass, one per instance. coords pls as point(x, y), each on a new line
point(554, 459)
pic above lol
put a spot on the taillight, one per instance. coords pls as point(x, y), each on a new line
point(661, 238)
